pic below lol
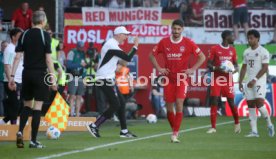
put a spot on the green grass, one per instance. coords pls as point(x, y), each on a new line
point(195, 144)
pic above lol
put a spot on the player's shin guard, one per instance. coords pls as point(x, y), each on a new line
point(171, 116)
point(235, 114)
point(213, 115)
point(177, 122)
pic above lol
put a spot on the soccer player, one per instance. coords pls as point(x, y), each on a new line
point(176, 51)
point(111, 53)
point(35, 45)
point(255, 65)
point(217, 55)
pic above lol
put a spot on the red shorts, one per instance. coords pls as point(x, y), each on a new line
point(225, 90)
point(173, 90)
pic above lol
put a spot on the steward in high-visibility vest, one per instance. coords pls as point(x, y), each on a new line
point(60, 75)
point(90, 70)
point(122, 78)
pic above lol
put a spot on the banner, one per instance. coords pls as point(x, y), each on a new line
point(95, 34)
point(150, 30)
point(219, 20)
point(108, 16)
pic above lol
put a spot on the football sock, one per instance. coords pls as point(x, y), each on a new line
point(213, 115)
point(35, 124)
point(235, 114)
point(253, 119)
point(264, 114)
point(171, 116)
point(177, 122)
point(26, 111)
point(100, 121)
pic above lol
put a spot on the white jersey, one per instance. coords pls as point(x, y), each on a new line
point(107, 71)
point(254, 60)
point(9, 55)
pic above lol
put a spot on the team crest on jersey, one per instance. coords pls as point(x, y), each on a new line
point(231, 53)
point(182, 49)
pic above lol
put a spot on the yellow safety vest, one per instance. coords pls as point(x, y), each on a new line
point(90, 72)
point(62, 80)
point(54, 45)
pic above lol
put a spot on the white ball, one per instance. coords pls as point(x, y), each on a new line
point(53, 133)
point(151, 118)
point(227, 66)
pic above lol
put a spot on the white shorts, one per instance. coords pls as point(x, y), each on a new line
point(258, 91)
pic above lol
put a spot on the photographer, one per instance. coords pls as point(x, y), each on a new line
point(76, 67)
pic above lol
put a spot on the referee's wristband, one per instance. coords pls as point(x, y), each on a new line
point(256, 79)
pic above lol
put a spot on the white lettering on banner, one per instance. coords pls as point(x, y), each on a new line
point(150, 30)
point(87, 36)
point(78, 123)
point(4, 133)
point(219, 20)
point(108, 16)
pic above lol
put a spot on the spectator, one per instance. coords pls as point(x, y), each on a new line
point(156, 3)
point(157, 99)
point(172, 6)
point(3, 47)
point(240, 15)
point(137, 3)
point(14, 101)
point(184, 13)
point(117, 4)
point(147, 3)
point(90, 75)
point(61, 57)
point(100, 3)
point(22, 17)
point(54, 44)
point(164, 4)
point(197, 12)
point(75, 66)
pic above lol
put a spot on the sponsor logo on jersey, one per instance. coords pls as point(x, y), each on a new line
point(174, 55)
point(231, 53)
point(256, 54)
point(168, 49)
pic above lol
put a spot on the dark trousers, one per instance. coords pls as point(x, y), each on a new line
point(13, 103)
point(116, 102)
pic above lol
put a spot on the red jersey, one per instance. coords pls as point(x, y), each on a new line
point(219, 53)
point(176, 54)
point(238, 3)
point(23, 21)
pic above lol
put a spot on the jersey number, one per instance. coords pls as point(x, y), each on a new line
point(258, 88)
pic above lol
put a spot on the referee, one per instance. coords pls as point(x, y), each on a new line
point(35, 45)
point(111, 53)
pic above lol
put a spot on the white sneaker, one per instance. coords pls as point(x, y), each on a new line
point(174, 139)
point(211, 131)
point(252, 134)
point(237, 128)
point(271, 131)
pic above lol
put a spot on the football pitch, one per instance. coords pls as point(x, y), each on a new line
point(153, 142)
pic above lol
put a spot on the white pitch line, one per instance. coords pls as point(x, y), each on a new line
point(127, 141)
